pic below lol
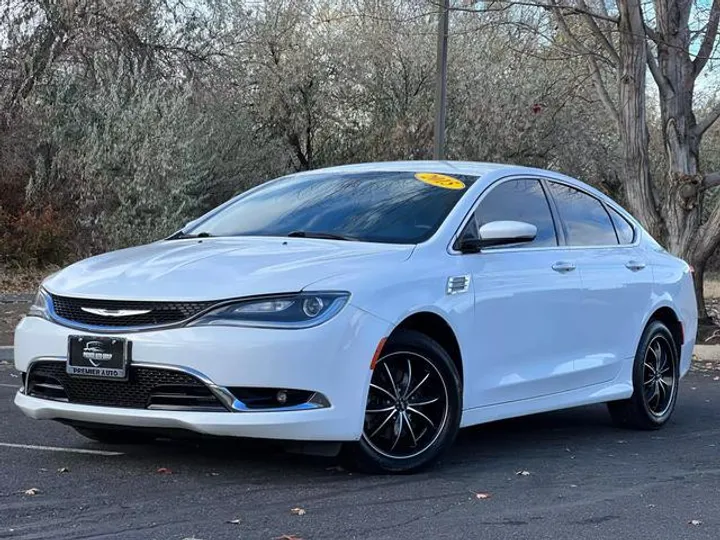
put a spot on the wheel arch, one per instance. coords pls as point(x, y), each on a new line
point(669, 318)
point(437, 328)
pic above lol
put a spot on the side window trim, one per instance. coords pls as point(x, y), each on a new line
point(559, 236)
point(557, 219)
point(630, 224)
point(612, 222)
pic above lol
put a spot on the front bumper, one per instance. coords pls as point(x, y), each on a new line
point(332, 359)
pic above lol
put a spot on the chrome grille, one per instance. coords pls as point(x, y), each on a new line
point(157, 313)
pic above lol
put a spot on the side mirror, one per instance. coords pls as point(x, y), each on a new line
point(499, 233)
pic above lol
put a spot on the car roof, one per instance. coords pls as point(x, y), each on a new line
point(458, 167)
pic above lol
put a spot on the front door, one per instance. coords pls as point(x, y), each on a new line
point(527, 303)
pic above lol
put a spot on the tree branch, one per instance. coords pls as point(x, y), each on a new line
point(592, 64)
point(708, 43)
point(602, 91)
point(711, 180)
point(576, 43)
point(707, 237)
point(660, 79)
point(570, 9)
point(604, 41)
point(652, 33)
point(707, 122)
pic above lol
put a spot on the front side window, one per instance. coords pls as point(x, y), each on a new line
point(519, 200)
point(381, 206)
point(584, 218)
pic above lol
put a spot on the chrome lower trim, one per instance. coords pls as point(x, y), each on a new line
point(231, 403)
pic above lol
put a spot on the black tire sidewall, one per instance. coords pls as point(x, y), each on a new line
point(367, 458)
point(654, 329)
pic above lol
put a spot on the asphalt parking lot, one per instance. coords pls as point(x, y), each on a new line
point(586, 480)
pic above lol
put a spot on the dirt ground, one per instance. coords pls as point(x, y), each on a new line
point(10, 315)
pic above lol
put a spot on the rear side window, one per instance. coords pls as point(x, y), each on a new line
point(625, 231)
point(585, 220)
point(519, 200)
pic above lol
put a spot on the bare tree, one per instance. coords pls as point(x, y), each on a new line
point(628, 41)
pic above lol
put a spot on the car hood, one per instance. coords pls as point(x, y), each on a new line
point(218, 268)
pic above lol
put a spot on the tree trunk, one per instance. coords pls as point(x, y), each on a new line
point(682, 187)
point(699, 276)
point(632, 121)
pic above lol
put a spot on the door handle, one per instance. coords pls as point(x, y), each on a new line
point(635, 266)
point(563, 267)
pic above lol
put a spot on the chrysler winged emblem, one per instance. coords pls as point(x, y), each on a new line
point(116, 312)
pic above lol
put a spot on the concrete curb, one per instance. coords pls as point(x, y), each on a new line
point(16, 298)
point(707, 353)
point(6, 353)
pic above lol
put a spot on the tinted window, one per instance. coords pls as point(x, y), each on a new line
point(392, 207)
point(585, 221)
point(626, 234)
point(519, 200)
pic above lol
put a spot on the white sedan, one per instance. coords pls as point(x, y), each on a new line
point(380, 306)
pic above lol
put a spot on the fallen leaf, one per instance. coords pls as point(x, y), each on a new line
point(14, 375)
point(651, 506)
point(573, 485)
point(695, 522)
point(716, 378)
point(522, 473)
point(214, 474)
point(43, 469)
point(164, 470)
point(298, 511)
point(234, 522)
point(335, 468)
point(621, 442)
point(483, 496)
point(63, 470)
point(32, 491)
point(693, 388)
point(287, 537)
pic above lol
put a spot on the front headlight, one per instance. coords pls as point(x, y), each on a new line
point(293, 311)
point(39, 307)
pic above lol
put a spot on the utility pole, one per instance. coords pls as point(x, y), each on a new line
point(441, 80)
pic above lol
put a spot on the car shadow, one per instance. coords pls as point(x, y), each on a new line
point(525, 438)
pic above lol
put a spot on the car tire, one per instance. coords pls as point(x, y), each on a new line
point(656, 377)
point(413, 407)
point(114, 436)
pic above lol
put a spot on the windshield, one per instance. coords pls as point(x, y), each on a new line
point(389, 207)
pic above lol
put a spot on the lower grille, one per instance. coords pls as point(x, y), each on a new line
point(146, 388)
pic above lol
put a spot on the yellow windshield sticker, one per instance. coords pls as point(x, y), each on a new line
point(440, 180)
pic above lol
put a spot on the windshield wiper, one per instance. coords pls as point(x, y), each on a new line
point(184, 236)
point(323, 235)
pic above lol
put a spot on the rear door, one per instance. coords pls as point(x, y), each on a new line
point(527, 302)
point(616, 280)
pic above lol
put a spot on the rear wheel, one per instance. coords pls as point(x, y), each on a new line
point(114, 436)
point(656, 377)
point(413, 407)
